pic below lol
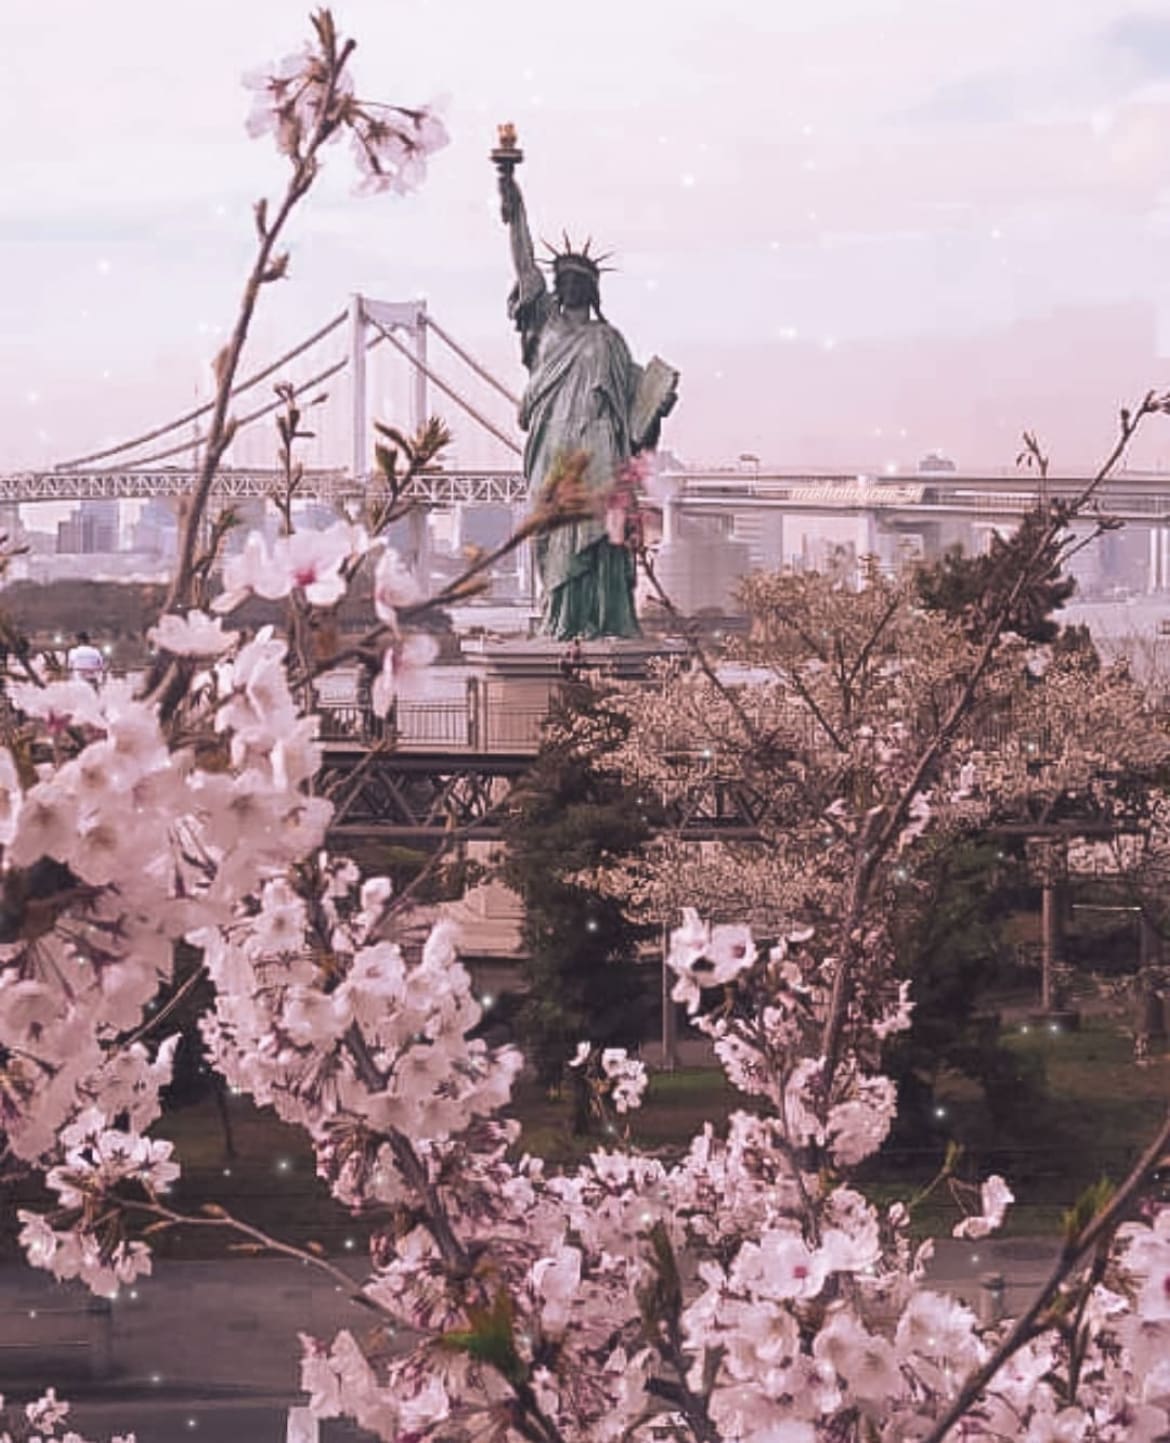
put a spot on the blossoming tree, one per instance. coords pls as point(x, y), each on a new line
point(746, 1290)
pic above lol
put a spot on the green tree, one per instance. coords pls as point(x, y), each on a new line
point(1075, 644)
point(972, 589)
point(949, 941)
point(571, 816)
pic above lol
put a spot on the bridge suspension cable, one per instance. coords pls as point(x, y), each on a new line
point(253, 380)
point(240, 424)
point(445, 388)
point(247, 420)
point(469, 360)
point(383, 334)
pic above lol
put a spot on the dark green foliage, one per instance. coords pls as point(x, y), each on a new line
point(972, 589)
point(1102, 932)
point(1074, 644)
point(950, 944)
point(581, 974)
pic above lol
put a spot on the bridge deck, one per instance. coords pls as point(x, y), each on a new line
point(1134, 496)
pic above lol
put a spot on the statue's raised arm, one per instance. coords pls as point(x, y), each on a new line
point(515, 217)
point(529, 301)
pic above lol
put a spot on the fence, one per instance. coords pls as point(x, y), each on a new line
point(481, 719)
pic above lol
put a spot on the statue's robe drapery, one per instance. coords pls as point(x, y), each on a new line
point(581, 387)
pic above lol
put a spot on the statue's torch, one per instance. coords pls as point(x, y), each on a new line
point(506, 156)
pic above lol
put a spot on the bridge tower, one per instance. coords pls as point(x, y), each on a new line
point(411, 317)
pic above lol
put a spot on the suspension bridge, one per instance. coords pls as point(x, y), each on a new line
point(163, 460)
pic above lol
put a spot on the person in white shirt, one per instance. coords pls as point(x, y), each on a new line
point(84, 661)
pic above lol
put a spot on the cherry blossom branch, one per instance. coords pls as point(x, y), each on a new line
point(533, 1422)
point(458, 589)
point(224, 1220)
point(365, 648)
point(797, 682)
point(667, 1337)
point(409, 1163)
point(264, 270)
point(378, 511)
point(1077, 1332)
point(874, 637)
point(1072, 1256)
point(176, 1000)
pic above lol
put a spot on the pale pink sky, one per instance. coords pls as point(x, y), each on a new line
point(842, 222)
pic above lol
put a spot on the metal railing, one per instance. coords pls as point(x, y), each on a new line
point(477, 721)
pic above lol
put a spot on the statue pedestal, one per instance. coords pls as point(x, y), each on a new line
point(516, 682)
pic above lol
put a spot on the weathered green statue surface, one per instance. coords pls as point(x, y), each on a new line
point(584, 393)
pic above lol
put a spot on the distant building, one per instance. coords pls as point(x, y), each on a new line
point(92, 529)
point(701, 566)
point(156, 532)
point(934, 463)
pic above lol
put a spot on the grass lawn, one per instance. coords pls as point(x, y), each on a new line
point(676, 1106)
point(1097, 1112)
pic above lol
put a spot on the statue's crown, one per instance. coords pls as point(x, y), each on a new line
point(579, 261)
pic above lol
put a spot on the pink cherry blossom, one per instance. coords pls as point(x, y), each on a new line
point(628, 1079)
point(557, 1280)
point(405, 672)
point(309, 561)
point(47, 1411)
point(858, 1126)
point(391, 146)
point(11, 797)
point(394, 586)
point(196, 634)
point(995, 1197)
point(866, 1361)
point(780, 1266)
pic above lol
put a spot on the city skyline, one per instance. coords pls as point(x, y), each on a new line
point(958, 243)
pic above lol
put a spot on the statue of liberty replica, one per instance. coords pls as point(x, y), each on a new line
point(585, 398)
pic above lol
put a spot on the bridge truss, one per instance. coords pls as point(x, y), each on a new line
point(426, 797)
point(419, 797)
point(438, 488)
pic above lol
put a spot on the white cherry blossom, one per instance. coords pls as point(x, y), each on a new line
point(395, 586)
point(405, 672)
point(995, 1196)
point(195, 634)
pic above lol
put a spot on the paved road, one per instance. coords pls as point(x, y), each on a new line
point(200, 1350)
point(209, 1350)
point(1023, 1264)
